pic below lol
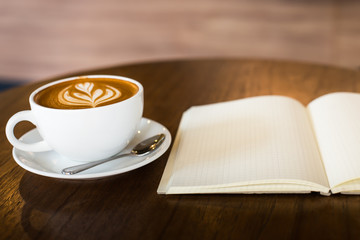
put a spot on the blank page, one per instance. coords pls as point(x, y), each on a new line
point(336, 120)
point(251, 141)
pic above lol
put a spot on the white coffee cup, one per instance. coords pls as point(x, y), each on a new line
point(81, 134)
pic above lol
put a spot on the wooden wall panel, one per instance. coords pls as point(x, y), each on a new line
point(42, 38)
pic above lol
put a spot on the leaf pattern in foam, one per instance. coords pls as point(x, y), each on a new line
point(88, 94)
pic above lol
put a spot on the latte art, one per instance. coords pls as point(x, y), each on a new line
point(84, 94)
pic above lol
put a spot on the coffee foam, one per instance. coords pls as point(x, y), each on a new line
point(85, 93)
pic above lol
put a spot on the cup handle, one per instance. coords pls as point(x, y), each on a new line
point(27, 115)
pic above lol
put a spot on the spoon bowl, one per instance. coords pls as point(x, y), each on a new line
point(143, 148)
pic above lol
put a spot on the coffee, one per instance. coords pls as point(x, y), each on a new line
point(85, 92)
point(111, 118)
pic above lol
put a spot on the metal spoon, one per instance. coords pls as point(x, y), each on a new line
point(143, 148)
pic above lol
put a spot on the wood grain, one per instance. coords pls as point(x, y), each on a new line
point(126, 206)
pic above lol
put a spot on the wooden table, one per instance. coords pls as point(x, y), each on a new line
point(126, 206)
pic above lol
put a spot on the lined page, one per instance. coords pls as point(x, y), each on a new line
point(336, 120)
point(251, 141)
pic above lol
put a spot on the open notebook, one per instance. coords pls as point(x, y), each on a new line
point(267, 144)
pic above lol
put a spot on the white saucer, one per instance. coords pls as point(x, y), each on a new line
point(50, 163)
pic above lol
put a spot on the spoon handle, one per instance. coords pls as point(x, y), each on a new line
point(82, 167)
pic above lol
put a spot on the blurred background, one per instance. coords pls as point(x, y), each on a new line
point(44, 38)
